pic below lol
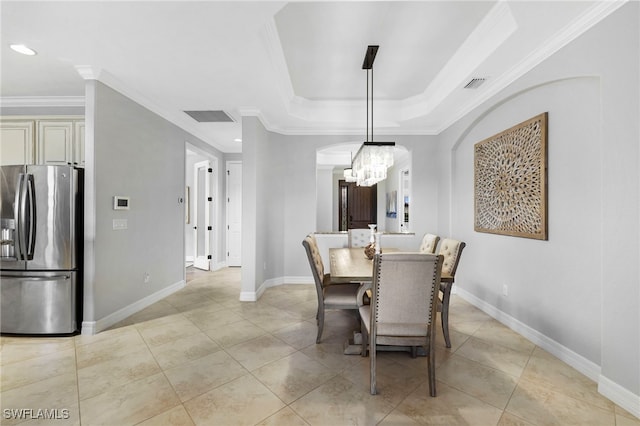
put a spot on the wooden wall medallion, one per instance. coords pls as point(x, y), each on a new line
point(510, 181)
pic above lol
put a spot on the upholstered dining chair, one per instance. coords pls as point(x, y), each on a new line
point(330, 296)
point(451, 250)
point(404, 300)
point(359, 237)
point(429, 243)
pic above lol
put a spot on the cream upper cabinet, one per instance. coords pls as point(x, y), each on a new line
point(55, 142)
point(61, 142)
point(17, 142)
point(78, 143)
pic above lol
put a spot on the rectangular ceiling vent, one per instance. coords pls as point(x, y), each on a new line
point(218, 116)
point(475, 83)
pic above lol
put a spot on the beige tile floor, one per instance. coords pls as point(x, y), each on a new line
point(202, 357)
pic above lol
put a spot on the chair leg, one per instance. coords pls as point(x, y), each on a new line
point(365, 339)
point(432, 371)
point(365, 342)
point(372, 363)
point(446, 295)
point(320, 318)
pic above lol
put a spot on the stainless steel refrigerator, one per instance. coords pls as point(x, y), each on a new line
point(41, 221)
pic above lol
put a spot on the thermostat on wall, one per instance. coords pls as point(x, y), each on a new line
point(120, 203)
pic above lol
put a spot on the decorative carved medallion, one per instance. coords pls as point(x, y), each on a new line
point(511, 181)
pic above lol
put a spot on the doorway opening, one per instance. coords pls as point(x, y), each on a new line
point(333, 212)
point(357, 205)
point(202, 228)
point(405, 200)
point(202, 200)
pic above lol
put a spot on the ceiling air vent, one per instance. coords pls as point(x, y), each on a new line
point(210, 116)
point(474, 83)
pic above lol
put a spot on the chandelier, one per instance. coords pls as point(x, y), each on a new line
point(373, 158)
point(348, 174)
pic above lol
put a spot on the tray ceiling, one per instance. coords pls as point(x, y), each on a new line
point(295, 65)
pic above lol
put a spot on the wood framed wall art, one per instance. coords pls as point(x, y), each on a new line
point(510, 181)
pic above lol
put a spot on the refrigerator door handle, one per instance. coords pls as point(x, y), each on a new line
point(20, 214)
point(32, 217)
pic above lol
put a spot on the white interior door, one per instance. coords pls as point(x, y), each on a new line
point(202, 215)
point(234, 213)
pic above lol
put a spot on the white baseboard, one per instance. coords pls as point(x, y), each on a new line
point(93, 327)
point(298, 280)
point(248, 296)
point(583, 365)
point(616, 393)
point(88, 328)
point(218, 265)
point(621, 396)
point(253, 296)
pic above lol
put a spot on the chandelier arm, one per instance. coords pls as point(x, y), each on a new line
point(367, 139)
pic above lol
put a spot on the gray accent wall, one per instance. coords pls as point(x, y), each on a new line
point(135, 153)
point(580, 289)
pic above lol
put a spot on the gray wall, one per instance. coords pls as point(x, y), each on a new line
point(579, 288)
point(283, 187)
point(132, 152)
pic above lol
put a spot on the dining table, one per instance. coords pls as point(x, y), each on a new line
point(349, 265)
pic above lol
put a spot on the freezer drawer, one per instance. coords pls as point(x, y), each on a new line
point(38, 302)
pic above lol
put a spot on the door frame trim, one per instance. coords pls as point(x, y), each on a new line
point(227, 209)
point(198, 262)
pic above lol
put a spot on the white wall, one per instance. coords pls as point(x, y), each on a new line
point(578, 291)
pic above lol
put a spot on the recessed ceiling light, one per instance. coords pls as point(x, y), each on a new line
point(21, 48)
point(237, 140)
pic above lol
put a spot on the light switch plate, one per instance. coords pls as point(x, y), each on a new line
point(119, 224)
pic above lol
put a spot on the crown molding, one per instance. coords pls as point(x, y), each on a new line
point(332, 131)
point(92, 73)
point(497, 26)
point(42, 101)
point(88, 72)
point(271, 40)
point(579, 26)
